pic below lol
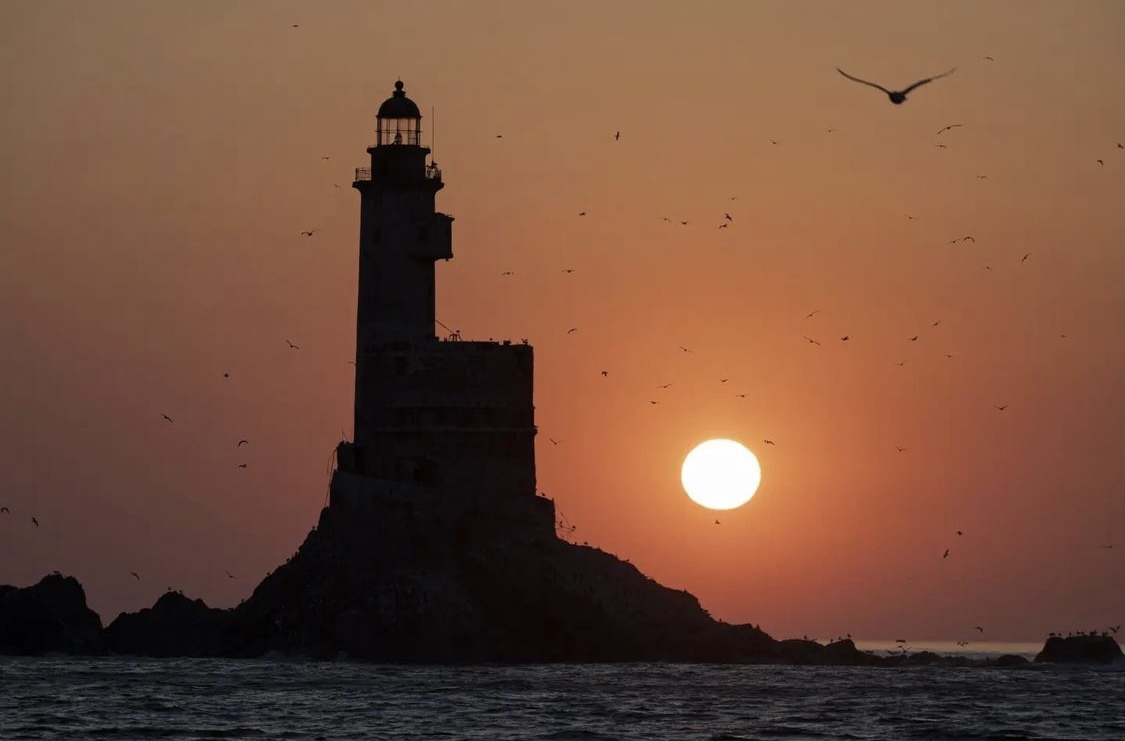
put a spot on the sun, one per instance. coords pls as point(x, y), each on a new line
point(720, 474)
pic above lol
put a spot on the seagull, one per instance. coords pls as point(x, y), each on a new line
point(812, 313)
point(936, 323)
point(35, 522)
point(165, 416)
point(1002, 407)
point(684, 223)
point(723, 380)
point(499, 136)
point(568, 270)
point(810, 339)
point(242, 465)
point(292, 346)
point(897, 96)
point(554, 441)
point(226, 375)
point(581, 213)
point(951, 126)
point(242, 442)
point(653, 402)
point(978, 628)
point(508, 272)
point(941, 146)
point(960, 533)
point(605, 373)
point(1101, 163)
point(728, 217)
point(135, 575)
point(684, 348)
point(230, 575)
point(309, 233)
point(741, 396)
point(990, 59)
point(723, 225)
point(4, 510)
point(572, 329)
point(1025, 257)
point(717, 522)
point(914, 338)
point(946, 554)
point(769, 442)
point(326, 158)
point(844, 338)
point(617, 136)
point(900, 449)
point(663, 385)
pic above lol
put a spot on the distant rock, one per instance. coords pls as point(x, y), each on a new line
point(1082, 649)
point(49, 617)
point(175, 626)
point(1009, 660)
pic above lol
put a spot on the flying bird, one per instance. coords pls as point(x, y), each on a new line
point(684, 348)
point(1025, 257)
point(1002, 407)
point(241, 443)
point(135, 575)
point(581, 213)
point(946, 554)
point(812, 313)
point(717, 522)
point(508, 272)
point(990, 59)
point(900, 449)
point(914, 338)
point(605, 373)
point(309, 233)
point(226, 375)
point(230, 575)
point(724, 225)
point(810, 339)
point(568, 270)
point(960, 533)
point(242, 465)
point(1101, 163)
point(35, 522)
point(769, 442)
point(554, 441)
point(292, 346)
point(844, 338)
point(728, 217)
point(951, 126)
point(617, 136)
point(978, 628)
point(4, 510)
point(936, 323)
point(572, 329)
point(165, 416)
point(897, 96)
point(664, 386)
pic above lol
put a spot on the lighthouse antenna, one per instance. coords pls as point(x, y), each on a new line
point(433, 133)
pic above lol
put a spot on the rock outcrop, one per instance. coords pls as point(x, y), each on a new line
point(49, 617)
point(1082, 649)
point(174, 626)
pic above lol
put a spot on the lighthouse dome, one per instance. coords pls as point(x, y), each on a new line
point(398, 105)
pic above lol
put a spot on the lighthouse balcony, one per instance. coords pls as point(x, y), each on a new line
point(363, 174)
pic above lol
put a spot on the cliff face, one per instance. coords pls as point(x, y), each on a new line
point(49, 617)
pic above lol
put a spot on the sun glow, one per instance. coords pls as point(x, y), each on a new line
point(720, 474)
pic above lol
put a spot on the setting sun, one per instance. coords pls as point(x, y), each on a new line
point(720, 474)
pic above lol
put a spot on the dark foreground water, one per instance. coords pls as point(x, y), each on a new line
point(118, 698)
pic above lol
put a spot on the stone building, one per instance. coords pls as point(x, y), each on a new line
point(444, 427)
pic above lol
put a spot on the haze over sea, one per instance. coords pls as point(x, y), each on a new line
point(124, 698)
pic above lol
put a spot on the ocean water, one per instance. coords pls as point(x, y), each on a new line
point(125, 698)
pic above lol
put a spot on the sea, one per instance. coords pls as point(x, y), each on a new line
point(53, 698)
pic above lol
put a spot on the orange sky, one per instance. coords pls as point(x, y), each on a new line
point(160, 159)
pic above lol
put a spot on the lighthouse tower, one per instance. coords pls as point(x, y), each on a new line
point(444, 427)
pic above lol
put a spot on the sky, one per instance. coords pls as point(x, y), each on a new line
point(159, 161)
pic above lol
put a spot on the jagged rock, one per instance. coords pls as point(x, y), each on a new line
point(49, 617)
point(174, 626)
point(1007, 660)
point(1084, 649)
point(392, 584)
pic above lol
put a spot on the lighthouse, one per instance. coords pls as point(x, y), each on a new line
point(444, 427)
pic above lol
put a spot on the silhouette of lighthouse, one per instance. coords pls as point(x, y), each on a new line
point(444, 428)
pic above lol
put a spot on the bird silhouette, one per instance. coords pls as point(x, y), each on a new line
point(664, 386)
point(684, 348)
point(951, 126)
point(941, 146)
point(897, 96)
point(1002, 407)
point(810, 339)
point(4, 510)
point(35, 522)
point(978, 628)
point(165, 416)
point(226, 375)
point(508, 272)
point(723, 380)
point(241, 443)
point(554, 441)
point(989, 59)
point(946, 554)
point(568, 270)
point(605, 373)
point(292, 346)
point(724, 225)
point(1024, 258)
point(1101, 163)
point(769, 442)
point(936, 323)
point(960, 533)
point(812, 313)
point(309, 233)
point(572, 329)
point(728, 217)
point(650, 401)
point(717, 522)
point(135, 575)
point(741, 396)
point(617, 136)
point(242, 465)
point(914, 338)
point(581, 213)
point(844, 338)
point(229, 575)
point(900, 449)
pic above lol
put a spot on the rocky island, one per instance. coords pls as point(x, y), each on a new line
point(435, 545)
